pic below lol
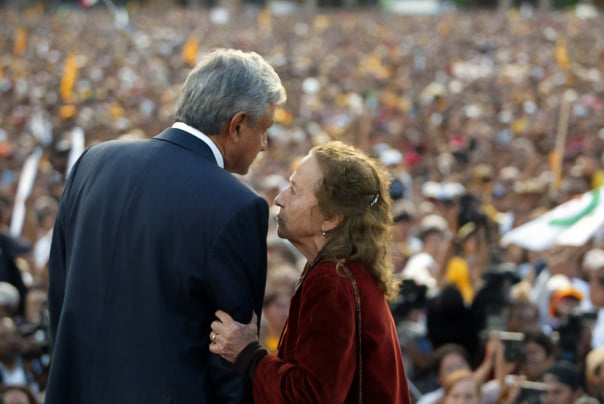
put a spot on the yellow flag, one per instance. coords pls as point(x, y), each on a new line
point(283, 117)
point(562, 54)
point(265, 19)
point(67, 111)
point(518, 125)
point(20, 42)
point(321, 22)
point(444, 27)
point(598, 179)
point(70, 73)
point(189, 51)
point(116, 111)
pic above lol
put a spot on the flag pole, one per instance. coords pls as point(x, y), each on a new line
point(569, 97)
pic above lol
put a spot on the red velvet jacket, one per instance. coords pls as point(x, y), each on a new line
point(317, 354)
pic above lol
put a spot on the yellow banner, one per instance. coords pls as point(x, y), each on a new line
point(20, 42)
point(189, 51)
point(562, 54)
point(265, 19)
point(70, 73)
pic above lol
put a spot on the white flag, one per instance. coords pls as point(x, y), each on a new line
point(572, 223)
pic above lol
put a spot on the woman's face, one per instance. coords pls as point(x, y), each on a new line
point(299, 219)
point(464, 392)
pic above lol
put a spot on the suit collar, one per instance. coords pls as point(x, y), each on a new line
point(187, 141)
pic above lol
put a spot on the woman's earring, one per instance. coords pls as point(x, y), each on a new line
point(324, 234)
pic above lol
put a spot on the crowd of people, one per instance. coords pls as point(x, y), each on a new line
point(463, 109)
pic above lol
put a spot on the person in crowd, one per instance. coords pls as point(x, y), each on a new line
point(450, 321)
point(593, 264)
point(451, 358)
point(539, 355)
point(425, 267)
point(12, 370)
point(35, 304)
point(404, 244)
point(275, 309)
point(11, 248)
point(409, 312)
point(447, 359)
point(339, 343)
point(9, 300)
point(522, 316)
point(560, 274)
point(12, 394)
point(461, 387)
point(562, 384)
point(465, 268)
point(594, 373)
point(153, 236)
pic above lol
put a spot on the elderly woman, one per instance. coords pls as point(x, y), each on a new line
point(339, 344)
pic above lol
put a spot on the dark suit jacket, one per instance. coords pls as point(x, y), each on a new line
point(152, 237)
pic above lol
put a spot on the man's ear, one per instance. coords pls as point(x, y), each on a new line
point(235, 126)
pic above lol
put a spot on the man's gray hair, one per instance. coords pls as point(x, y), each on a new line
point(225, 82)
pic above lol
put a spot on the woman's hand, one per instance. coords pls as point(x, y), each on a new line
point(228, 337)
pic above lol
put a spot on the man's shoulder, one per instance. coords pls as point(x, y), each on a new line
point(117, 149)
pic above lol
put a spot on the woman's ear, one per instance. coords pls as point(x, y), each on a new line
point(331, 223)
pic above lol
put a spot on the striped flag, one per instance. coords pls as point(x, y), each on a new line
point(572, 223)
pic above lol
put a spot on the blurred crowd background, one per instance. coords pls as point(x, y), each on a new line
point(487, 118)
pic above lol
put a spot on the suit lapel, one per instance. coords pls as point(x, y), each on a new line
point(187, 141)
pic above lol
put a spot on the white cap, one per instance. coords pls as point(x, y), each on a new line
point(443, 190)
point(391, 157)
point(593, 259)
point(557, 282)
point(433, 222)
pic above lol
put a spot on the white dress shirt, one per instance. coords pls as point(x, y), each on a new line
point(204, 138)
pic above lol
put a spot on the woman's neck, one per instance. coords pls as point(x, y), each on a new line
point(310, 248)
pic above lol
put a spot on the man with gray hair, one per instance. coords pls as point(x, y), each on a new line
point(153, 236)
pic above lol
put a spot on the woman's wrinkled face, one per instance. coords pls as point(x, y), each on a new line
point(464, 392)
point(299, 218)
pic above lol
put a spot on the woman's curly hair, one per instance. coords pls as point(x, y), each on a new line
point(357, 187)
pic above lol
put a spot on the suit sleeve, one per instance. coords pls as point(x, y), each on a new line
point(237, 276)
point(325, 353)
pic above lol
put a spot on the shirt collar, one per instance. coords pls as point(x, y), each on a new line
point(204, 138)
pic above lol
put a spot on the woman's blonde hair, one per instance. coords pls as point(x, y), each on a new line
point(456, 377)
point(357, 188)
